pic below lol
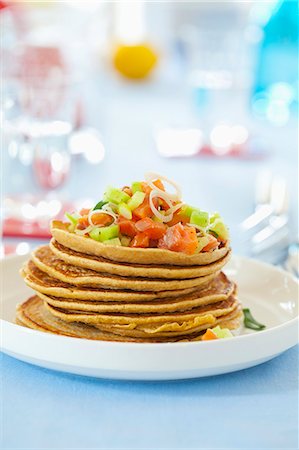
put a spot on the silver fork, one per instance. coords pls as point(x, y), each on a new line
point(278, 219)
point(266, 229)
point(263, 207)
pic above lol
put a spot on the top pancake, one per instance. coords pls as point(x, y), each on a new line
point(159, 256)
point(166, 271)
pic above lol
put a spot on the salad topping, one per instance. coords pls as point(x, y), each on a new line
point(146, 215)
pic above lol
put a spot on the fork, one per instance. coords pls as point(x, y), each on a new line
point(266, 229)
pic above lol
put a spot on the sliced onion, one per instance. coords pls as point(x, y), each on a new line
point(86, 230)
point(109, 207)
point(151, 176)
point(167, 217)
point(99, 211)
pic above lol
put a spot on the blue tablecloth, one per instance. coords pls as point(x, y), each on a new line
point(254, 408)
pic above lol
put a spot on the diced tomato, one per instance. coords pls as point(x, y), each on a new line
point(127, 190)
point(101, 219)
point(83, 223)
point(153, 243)
point(127, 227)
point(209, 335)
point(146, 188)
point(140, 240)
point(144, 210)
point(178, 217)
point(144, 224)
point(159, 184)
point(155, 230)
point(84, 211)
point(179, 238)
point(212, 245)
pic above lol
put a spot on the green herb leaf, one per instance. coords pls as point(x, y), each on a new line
point(100, 205)
point(250, 322)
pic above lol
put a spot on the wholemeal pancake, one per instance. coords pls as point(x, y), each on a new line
point(104, 265)
point(231, 320)
point(41, 282)
point(48, 262)
point(83, 244)
point(34, 315)
point(219, 289)
point(198, 315)
point(168, 325)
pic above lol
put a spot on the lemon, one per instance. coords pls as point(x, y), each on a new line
point(134, 61)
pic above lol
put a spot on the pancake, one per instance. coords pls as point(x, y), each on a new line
point(49, 263)
point(231, 320)
point(100, 264)
point(41, 282)
point(219, 289)
point(176, 321)
point(32, 314)
point(83, 244)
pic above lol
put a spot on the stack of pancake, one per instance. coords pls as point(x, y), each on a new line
point(90, 290)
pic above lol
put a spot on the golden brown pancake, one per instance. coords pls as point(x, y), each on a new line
point(100, 264)
point(159, 256)
point(219, 289)
point(41, 282)
point(34, 315)
point(231, 320)
point(48, 262)
point(180, 322)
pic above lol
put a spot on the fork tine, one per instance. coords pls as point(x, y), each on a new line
point(279, 195)
point(263, 187)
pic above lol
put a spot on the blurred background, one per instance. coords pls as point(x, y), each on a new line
point(98, 92)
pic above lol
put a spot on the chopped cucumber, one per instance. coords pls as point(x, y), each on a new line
point(200, 218)
point(114, 241)
point(73, 218)
point(214, 216)
point(115, 195)
point(222, 333)
point(102, 234)
point(125, 211)
point(71, 227)
point(220, 229)
point(136, 200)
point(187, 210)
point(202, 242)
point(136, 187)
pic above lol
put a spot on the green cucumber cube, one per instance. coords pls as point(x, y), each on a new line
point(187, 210)
point(222, 333)
point(104, 233)
point(136, 187)
point(114, 241)
point(136, 200)
point(115, 195)
point(220, 229)
point(200, 218)
point(125, 211)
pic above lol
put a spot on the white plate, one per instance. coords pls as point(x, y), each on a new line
point(270, 293)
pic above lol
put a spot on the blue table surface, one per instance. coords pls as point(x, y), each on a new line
point(254, 408)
